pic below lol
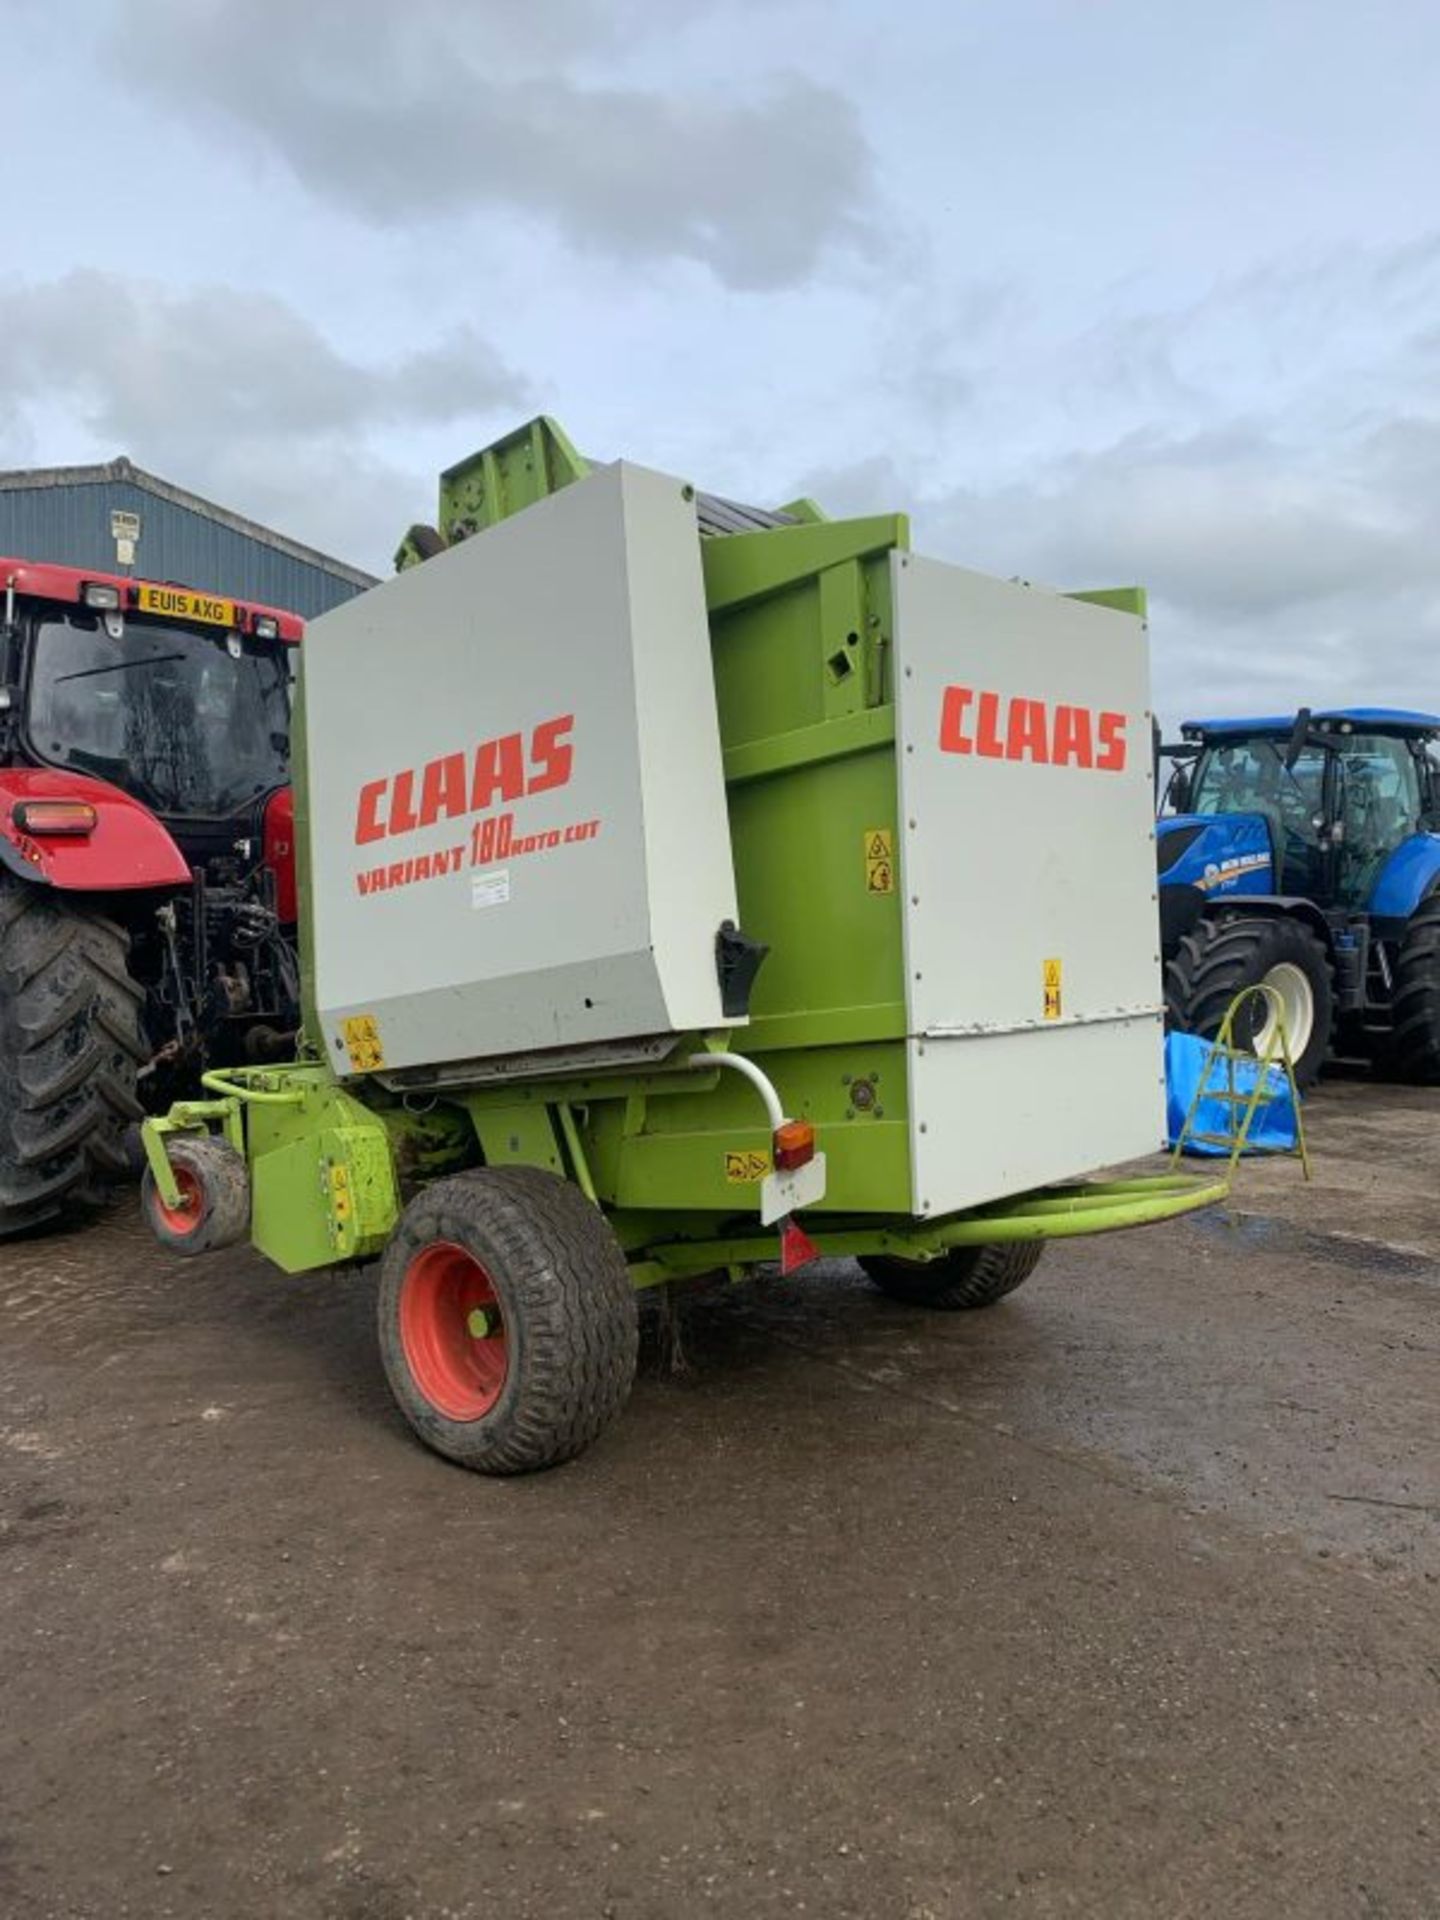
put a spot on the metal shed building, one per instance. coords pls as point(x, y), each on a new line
point(120, 519)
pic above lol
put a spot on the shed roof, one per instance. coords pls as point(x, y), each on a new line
point(122, 470)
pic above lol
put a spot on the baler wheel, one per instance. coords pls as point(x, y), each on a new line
point(507, 1319)
point(1412, 1050)
point(965, 1277)
point(215, 1191)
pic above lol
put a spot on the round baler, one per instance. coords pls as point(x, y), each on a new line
point(687, 887)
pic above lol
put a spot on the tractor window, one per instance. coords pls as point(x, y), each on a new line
point(1227, 780)
point(1428, 771)
point(1250, 776)
point(167, 712)
point(1380, 805)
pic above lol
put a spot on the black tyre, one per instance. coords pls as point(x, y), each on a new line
point(214, 1191)
point(1224, 953)
point(965, 1277)
point(1412, 1050)
point(508, 1323)
point(71, 1046)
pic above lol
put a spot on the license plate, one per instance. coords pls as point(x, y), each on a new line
point(178, 603)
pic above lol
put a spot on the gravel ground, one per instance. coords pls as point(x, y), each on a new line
point(1119, 1599)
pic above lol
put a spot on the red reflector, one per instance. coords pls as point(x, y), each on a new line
point(53, 816)
point(797, 1249)
point(793, 1145)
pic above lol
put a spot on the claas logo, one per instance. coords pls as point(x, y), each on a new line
point(997, 727)
point(457, 784)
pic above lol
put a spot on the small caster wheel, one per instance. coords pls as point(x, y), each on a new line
point(214, 1208)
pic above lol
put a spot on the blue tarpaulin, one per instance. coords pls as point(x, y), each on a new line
point(1273, 1130)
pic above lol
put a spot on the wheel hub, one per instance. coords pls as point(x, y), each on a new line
point(185, 1217)
point(452, 1331)
point(1288, 996)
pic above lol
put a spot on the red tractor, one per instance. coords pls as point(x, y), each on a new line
point(147, 863)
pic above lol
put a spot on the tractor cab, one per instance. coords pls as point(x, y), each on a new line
point(1310, 805)
point(191, 719)
point(1329, 822)
point(163, 711)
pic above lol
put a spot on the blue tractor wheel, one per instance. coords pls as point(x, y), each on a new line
point(1413, 1048)
point(1224, 953)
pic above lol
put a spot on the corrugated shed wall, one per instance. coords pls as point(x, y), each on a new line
point(69, 524)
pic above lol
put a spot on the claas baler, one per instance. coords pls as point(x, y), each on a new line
point(687, 888)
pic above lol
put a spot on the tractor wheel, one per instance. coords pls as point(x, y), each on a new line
point(1412, 1051)
point(1223, 954)
point(70, 1051)
point(214, 1193)
point(964, 1277)
point(508, 1325)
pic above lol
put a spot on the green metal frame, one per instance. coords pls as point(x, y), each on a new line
point(802, 634)
point(226, 1112)
point(659, 1245)
point(1054, 1213)
point(511, 473)
point(325, 1168)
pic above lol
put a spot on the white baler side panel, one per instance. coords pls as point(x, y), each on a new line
point(562, 610)
point(1017, 1111)
point(687, 842)
point(1010, 863)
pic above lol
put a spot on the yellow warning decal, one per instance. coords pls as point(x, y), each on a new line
point(361, 1034)
point(1053, 983)
point(341, 1205)
point(879, 860)
point(742, 1168)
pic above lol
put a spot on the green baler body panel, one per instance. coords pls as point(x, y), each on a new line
point(322, 1176)
point(801, 631)
point(510, 474)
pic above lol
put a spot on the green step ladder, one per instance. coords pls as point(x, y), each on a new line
point(1243, 1104)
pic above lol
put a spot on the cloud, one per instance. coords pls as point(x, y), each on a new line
point(1302, 569)
point(1264, 458)
point(237, 396)
point(431, 112)
point(142, 360)
point(1277, 574)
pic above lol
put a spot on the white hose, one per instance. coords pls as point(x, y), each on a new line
point(761, 1082)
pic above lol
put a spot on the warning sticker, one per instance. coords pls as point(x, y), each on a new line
point(490, 889)
point(742, 1168)
point(879, 860)
point(1053, 979)
point(341, 1205)
point(361, 1034)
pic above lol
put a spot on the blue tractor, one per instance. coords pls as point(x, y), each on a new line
point(1304, 851)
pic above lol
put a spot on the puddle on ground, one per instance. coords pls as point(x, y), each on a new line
point(1259, 1230)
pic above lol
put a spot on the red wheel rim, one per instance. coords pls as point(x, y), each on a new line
point(452, 1331)
point(187, 1216)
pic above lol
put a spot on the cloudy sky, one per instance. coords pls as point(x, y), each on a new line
point(1099, 290)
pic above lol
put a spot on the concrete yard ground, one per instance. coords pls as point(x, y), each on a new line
point(1122, 1599)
